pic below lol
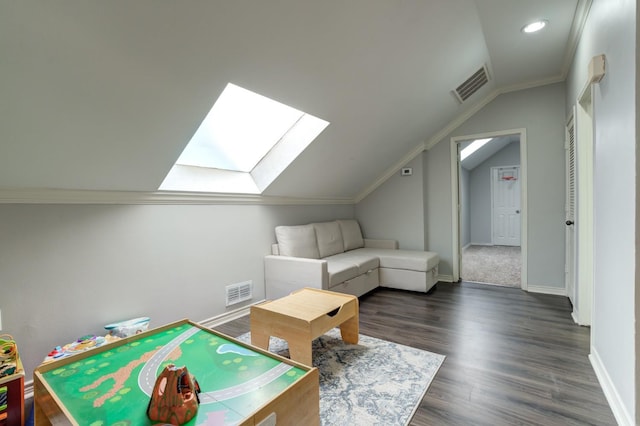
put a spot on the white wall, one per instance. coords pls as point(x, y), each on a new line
point(465, 208)
point(480, 192)
point(611, 29)
point(437, 194)
point(67, 270)
point(395, 210)
point(541, 111)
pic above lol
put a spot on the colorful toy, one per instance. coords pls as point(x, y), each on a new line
point(129, 327)
point(8, 355)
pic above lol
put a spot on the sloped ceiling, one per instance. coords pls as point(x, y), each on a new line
point(104, 95)
point(487, 151)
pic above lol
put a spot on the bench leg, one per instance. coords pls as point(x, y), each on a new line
point(301, 352)
point(260, 339)
point(349, 330)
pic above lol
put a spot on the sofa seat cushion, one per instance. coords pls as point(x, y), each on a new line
point(363, 262)
point(340, 271)
point(412, 260)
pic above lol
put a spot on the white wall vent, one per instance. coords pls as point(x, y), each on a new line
point(239, 292)
point(472, 84)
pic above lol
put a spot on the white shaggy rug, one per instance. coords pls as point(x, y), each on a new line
point(375, 382)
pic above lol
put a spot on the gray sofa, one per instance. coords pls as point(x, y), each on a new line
point(334, 256)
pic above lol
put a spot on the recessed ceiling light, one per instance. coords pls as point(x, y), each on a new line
point(534, 26)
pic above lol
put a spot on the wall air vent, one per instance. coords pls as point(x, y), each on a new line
point(472, 84)
point(240, 292)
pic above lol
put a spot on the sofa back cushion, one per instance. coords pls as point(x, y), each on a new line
point(329, 238)
point(297, 241)
point(351, 234)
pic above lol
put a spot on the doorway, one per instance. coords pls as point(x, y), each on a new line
point(489, 208)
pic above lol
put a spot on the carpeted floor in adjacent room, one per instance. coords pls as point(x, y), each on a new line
point(492, 265)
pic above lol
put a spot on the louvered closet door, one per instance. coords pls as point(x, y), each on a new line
point(570, 209)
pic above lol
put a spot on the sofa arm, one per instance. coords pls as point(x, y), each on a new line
point(284, 274)
point(384, 244)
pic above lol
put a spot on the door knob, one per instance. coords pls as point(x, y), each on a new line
point(517, 211)
point(569, 222)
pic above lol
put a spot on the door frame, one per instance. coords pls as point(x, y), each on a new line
point(585, 220)
point(455, 198)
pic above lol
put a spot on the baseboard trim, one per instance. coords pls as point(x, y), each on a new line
point(574, 316)
point(613, 398)
point(227, 316)
point(445, 278)
point(556, 291)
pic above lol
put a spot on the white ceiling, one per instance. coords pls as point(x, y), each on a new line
point(104, 95)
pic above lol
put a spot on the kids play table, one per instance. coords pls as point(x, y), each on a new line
point(303, 316)
point(240, 384)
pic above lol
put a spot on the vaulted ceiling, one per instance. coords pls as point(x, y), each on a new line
point(104, 95)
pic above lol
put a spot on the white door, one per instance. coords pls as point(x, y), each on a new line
point(505, 194)
point(570, 212)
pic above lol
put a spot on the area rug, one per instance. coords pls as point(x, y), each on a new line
point(375, 382)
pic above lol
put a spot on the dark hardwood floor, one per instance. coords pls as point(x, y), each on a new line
point(513, 358)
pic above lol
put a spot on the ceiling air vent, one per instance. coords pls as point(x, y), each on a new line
point(472, 84)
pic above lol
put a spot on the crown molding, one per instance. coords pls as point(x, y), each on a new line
point(579, 19)
point(63, 196)
point(460, 119)
point(427, 145)
point(453, 125)
point(531, 84)
point(389, 172)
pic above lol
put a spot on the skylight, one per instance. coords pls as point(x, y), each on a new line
point(239, 130)
point(473, 147)
point(245, 141)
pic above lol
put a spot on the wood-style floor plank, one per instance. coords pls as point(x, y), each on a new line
point(513, 358)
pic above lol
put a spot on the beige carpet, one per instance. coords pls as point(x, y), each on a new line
point(492, 265)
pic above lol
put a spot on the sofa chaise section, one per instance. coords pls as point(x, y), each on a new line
point(334, 256)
